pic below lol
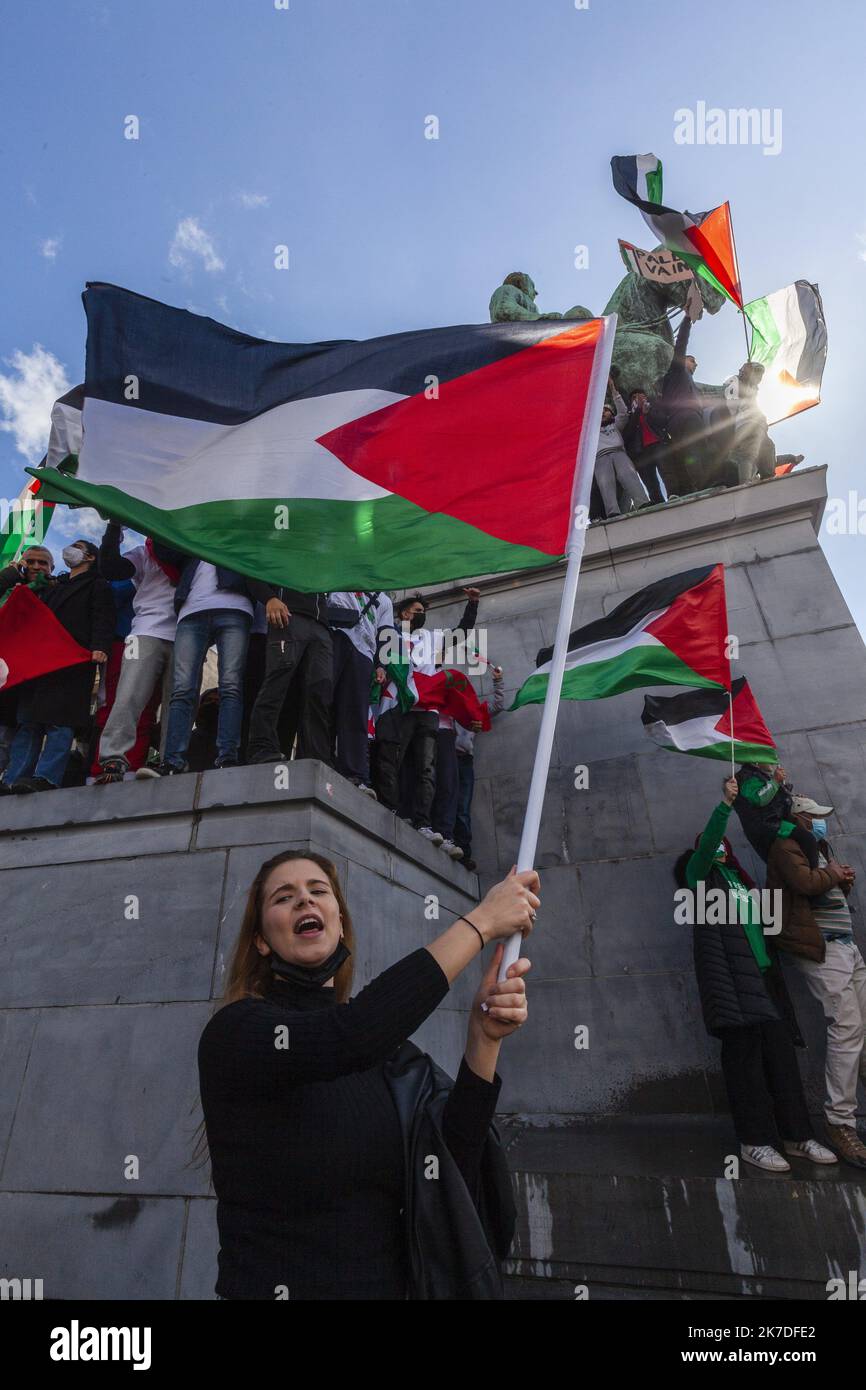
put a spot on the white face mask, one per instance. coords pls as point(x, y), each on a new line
point(73, 555)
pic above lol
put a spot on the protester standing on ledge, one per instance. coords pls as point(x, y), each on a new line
point(745, 1004)
point(313, 1100)
point(612, 463)
point(53, 706)
point(817, 934)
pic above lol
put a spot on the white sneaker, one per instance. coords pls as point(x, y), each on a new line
point(811, 1149)
point(764, 1156)
point(430, 834)
point(367, 790)
point(144, 773)
point(450, 848)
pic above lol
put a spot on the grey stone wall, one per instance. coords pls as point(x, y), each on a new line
point(607, 952)
point(101, 1009)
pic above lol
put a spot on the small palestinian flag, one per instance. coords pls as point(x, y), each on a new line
point(671, 633)
point(789, 339)
point(24, 524)
point(28, 519)
point(704, 240)
point(32, 641)
point(382, 464)
point(699, 722)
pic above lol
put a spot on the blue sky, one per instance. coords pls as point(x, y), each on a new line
point(305, 127)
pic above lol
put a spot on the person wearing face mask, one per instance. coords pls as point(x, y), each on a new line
point(52, 707)
point(34, 568)
point(745, 1004)
point(818, 937)
point(324, 1123)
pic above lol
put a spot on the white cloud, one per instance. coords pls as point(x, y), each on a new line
point(27, 394)
point(191, 239)
point(861, 237)
point(71, 523)
point(253, 200)
point(49, 248)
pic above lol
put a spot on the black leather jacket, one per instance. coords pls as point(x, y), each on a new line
point(456, 1239)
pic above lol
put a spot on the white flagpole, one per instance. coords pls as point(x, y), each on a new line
point(584, 468)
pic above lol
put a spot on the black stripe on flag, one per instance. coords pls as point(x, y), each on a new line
point(197, 368)
point(692, 704)
point(627, 614)
point(813, 358)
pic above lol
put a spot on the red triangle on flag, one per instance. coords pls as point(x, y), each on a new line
point(32, 641)
point(695, 628)
point(748, 726)
point(713, 239)
point(496, 448)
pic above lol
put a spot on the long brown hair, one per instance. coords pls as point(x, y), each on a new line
point(249, 971)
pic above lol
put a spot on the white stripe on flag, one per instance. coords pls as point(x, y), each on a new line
point(170, 462)
point(611, 647)
point(691, 733)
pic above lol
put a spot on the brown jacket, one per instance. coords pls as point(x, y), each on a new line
point(788, 869)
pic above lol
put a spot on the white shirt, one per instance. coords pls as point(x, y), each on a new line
point(204, 596)
point(363, 635)
point(153, 612)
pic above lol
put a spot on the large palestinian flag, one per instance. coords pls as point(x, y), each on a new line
point(789, 339)
point(671, 633)
point(344, 465)
point(699, 722)
point(32, 641)
point(704, 240)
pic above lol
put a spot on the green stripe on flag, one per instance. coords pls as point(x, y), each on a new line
point(596, 680)
point(393, 543)
point(743, 752)
point(766, 338)
point(654, 184)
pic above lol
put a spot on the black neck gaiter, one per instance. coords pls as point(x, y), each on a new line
point(309, 976)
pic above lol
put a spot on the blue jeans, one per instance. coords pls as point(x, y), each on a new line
point(229, 628)
point(29, 757)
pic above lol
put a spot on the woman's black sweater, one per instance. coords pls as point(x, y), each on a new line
point(305, 1143)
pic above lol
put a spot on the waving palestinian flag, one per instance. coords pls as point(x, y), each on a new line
point(671, 633)
point(344, 465)
point(699, 722)
point(704, 240)
point(789, 339)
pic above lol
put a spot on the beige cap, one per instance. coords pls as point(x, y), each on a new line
point(806, 806)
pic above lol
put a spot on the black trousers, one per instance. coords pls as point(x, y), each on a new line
point(444, 813)
point(299, 660)
point(679, 464)
point(352, 675)
point(412, 736)
point(762, 1078)
point(648, 463)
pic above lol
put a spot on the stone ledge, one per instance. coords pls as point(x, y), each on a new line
point(199, 812)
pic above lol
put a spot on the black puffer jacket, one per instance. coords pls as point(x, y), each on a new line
point(734, 991)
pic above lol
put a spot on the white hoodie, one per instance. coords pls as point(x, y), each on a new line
point(609, 436)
